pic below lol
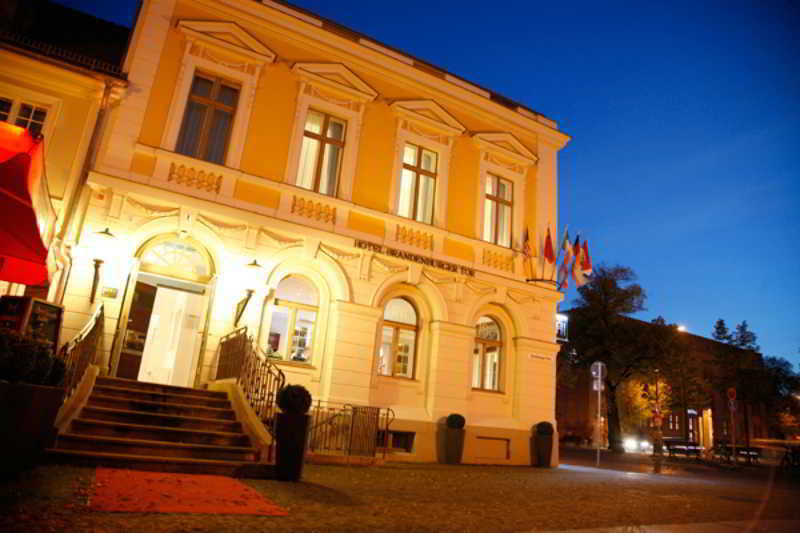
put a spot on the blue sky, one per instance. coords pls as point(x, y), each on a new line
point(685, 118)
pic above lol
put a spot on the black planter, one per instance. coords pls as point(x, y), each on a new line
point(453, 445)
point(27, 413)
point(291, 431)
point(544, 450)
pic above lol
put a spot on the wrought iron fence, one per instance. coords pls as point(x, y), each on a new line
point(84, 349)
point(233, 349)
point(348, 430)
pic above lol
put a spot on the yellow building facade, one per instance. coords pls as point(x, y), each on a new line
point(382, 199)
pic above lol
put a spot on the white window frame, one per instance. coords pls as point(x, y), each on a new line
point(507, 164)
point(433, 134)
point(206, 53)
point(19, 95)
point(335, 98)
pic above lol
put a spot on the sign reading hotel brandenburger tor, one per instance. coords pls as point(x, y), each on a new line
point(409, 256)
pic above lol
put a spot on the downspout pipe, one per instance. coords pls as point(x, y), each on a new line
point(83, 178)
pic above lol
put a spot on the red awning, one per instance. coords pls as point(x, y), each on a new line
point(26, 215)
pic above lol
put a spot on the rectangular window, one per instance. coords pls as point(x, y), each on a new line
point(321, 153)
point(291, 332)
point(418, 183)
point(208, 119)
point(24, 115)
point(497, 207)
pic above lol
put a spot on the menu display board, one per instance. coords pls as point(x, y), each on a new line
point(32, 317)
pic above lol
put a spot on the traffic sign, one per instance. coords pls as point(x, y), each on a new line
point(598, 370)
point(732, 405)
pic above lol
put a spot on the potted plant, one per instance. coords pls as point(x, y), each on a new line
point(291, 432)
point(30, 396)
point(542, 445)
point(454, 439)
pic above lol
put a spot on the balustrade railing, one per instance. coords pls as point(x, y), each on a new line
point(84, 349)
point(259, 379)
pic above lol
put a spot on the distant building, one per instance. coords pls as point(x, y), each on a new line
point(576, 405)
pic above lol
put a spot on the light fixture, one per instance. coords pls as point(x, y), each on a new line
point(253, 270)
point(105, 236)
point(682, 328)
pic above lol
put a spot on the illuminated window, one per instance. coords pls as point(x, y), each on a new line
point(23, 114)
point(486, 356)
point(498, 205)
point(417, 183)
point(398, 339)
point(208, 119)
point(321, 153)
point(292, 318)
point(176, 256)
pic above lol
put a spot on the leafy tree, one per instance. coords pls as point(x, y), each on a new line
point(738, 365)
point(601, 331)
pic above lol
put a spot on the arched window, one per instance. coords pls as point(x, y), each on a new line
point(486, 357)
point(176, 256)
point(291, 328)
point(398, 339)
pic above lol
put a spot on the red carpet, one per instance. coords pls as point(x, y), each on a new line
point(134, 491)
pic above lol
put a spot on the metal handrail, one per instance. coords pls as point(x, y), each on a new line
point(83, 350)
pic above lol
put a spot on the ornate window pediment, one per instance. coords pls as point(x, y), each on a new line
point(225, 38)
point(427, 118)
point(334, 81)
point(505, 150)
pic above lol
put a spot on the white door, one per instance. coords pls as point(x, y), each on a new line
point(170, 346)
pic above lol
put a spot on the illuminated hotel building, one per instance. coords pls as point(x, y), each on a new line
point(383, 199)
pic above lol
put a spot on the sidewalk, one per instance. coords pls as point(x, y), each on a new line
point(767, 526)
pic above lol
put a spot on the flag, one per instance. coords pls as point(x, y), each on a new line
point(563, 271)
point(586, 264)
point(577, 270)
point(526, 244)
point(549, 253)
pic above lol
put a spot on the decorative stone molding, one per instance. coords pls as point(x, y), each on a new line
point(498, 260)
point(480, 287)
point(388, 267)
point(505, 150)
point(276, 239)
point(220, 227)
point(412, 237)
point(313, 210)
point(151, 210)
point(195, 179)
point(338, 254)
point(520, 297)
point(429, 117)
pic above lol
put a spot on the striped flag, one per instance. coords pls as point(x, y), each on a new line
point(577, 268)
point(563, 271)
point(586, 264)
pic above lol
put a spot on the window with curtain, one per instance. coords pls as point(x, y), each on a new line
point(498, 203)
point(208, 119)
point(398, 346)
point(321, 153)
point(292, 319)
point(418, 183)
point(486, 357)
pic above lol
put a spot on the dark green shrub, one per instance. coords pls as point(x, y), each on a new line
point(544, 428)
point(294, 399)
point(25, 360)
point(456, 421)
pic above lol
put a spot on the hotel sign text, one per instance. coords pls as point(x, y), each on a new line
point(409, 256)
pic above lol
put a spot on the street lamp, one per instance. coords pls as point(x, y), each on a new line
point(252, 279)
point(106, 238)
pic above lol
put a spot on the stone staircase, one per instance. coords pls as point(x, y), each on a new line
point(148, 426)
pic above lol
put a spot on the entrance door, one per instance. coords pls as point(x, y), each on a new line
point(170, 347)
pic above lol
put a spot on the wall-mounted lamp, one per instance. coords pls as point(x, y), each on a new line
point(252, 277)
point(105, 237)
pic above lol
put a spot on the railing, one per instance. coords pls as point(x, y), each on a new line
point(82, 350)
point(60, 53)
point(258, 377)
point(348, 430)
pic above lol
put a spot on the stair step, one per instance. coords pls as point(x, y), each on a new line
point(74, 441)
point(158, 387)
point(88, 426)
point(132, 404)
point(153, 463)
point(140, 394)
point(161, 420)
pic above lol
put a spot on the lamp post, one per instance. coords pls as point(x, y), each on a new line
point(106, 238)
point(252, 279)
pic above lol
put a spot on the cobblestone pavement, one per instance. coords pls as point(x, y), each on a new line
point(421, 498)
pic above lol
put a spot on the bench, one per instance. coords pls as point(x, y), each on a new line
point(749, 453)
point(683, 447)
